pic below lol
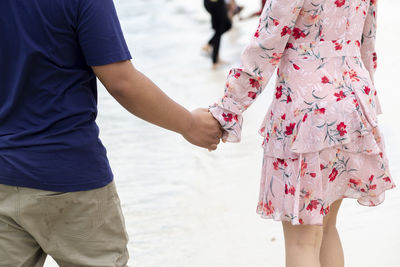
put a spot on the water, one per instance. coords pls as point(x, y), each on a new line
point(185, 206)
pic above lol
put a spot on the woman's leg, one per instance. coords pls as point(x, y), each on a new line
point(331, 254)
point(302, 243)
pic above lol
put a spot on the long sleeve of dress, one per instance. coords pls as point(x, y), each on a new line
point(368, 52)
point(259, 60)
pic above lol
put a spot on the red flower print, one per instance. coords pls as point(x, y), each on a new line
point(358, 43)
point(286, 30)
point(227, 117)
point(333, 175)
point(321, 166)
point(289, 99)
point(340, 3)
point(371, 178)
point(374, 59)
point(374, 56)
point(252, 95)
point(296, 67)
point(355, 102)
point(327, 209)
point(301, 221)
point(276, 22)
point(305, 117)
point(268, 208)
point(235, 117)
point(298, 33)
point(283, 117)
point(313, 174)
point(353, 76)
point(275, 58)
point(312, 205)
point(367, 90)
point(338, 46)
point(289, 45)
point(340, 95)
point(320, 111)
point(289, 129)
point(355, 182)
point(282, 161)
point(278, 93)
point(254, 83)
point(290, 190)
point(341, 127)
point(325, 79)
point(276, 165)
point(279, 162)
point(387, 179)
point(372, 187)
point(324, 211)
point(303, 168)
point(257, 34)
point(237, 75)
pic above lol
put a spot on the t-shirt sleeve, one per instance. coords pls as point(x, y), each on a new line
point(99, 33)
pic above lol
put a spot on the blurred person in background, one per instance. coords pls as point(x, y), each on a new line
point(57, 194)
point(321, 137)
point(220, 23)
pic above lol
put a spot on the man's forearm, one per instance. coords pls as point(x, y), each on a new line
point(140, 96)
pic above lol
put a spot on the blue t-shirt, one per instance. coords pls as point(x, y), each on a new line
point(48, 96)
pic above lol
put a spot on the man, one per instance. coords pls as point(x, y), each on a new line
point(57, 194)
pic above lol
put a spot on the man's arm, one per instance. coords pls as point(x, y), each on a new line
point(140, 96)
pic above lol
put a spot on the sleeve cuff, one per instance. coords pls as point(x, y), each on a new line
point(230, 122)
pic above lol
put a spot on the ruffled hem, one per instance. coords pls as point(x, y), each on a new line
point(301, 190)
point(319, 220)
point(343, 123)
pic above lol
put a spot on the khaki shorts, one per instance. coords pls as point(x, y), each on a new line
point(77, 229)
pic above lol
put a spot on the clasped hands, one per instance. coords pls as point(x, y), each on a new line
point(204, 131)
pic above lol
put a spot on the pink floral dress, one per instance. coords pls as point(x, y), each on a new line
point(321, 138)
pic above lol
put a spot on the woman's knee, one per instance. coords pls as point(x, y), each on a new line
point(302, 235)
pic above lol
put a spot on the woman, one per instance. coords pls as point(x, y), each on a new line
point(321, 138)
point(221, 24)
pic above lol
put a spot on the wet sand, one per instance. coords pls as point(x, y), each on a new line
point(187, 207)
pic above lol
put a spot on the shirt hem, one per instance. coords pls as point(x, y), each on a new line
point(64, 188)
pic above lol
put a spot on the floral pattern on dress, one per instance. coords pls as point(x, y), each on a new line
point(321, 137)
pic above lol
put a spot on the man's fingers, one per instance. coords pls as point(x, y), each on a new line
point(212, 147)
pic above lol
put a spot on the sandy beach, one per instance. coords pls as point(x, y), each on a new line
point(186, 207)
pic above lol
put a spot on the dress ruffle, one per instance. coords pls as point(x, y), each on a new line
point(318, 157)
point(342, 123)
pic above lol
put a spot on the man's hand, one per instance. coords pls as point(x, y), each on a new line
point(140, 96)
point(204, 130)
